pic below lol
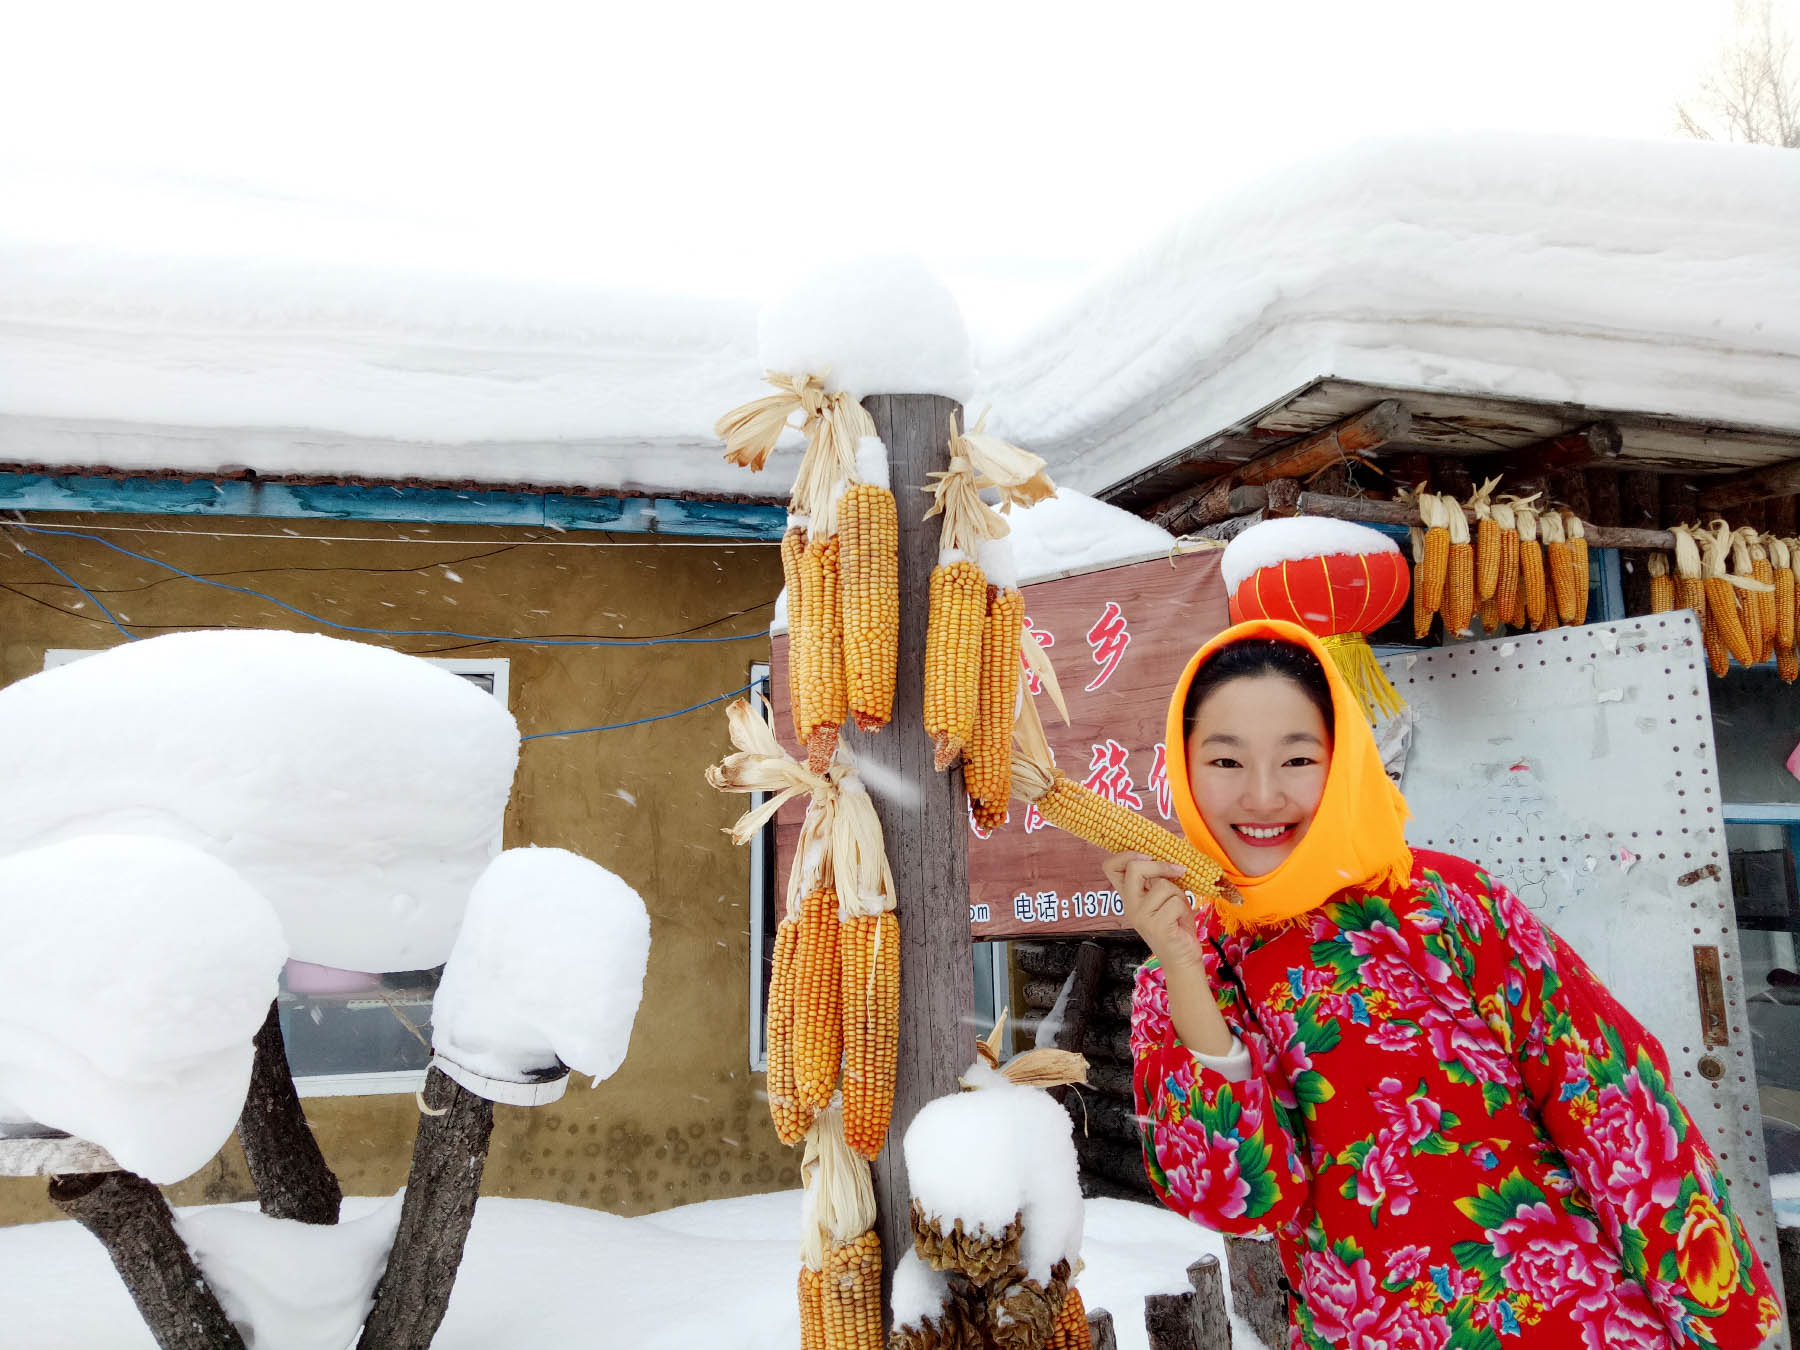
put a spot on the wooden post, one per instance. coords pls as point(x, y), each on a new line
point(449, 1154)
point(1090, 971)
point(1256, 1293)
point(1212, 1324)
point(1100, 1330)
point(133, 1222)
point(293, 1180)
point(927, 835)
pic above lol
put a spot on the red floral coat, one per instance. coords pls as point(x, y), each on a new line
point(1459, 1138)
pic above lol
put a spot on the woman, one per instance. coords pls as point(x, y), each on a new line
point(1456, 1135)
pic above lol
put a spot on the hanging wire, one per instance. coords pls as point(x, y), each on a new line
point(92, 599)
point(640, 721)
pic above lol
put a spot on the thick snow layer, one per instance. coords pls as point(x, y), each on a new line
point(360, 790)
point(1063, 536)
point(535, 1275)
point(1277, 541)
point(1657, 276)
point(549, 965)
point(919, 1291)
point(136, 316)
point(987, 1156)
point(289, 1285)
point(874, 326)
point(133, 975)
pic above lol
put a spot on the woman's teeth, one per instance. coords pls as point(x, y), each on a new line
point(1263, 831)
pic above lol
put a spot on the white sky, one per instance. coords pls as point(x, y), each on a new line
point(714, 148)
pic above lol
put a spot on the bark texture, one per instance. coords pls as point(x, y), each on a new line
point(293, 1180)
point(133, 1222)
point(449, 1153)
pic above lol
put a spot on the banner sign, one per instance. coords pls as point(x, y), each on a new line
point(1118, 639)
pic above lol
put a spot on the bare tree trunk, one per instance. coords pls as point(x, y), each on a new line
point(293, 1180)
point(449, 1153)
point(134, 1223)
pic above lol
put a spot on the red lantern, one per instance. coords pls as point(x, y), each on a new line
point(1337, 580)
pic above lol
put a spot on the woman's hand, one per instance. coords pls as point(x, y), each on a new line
point(1155, 906)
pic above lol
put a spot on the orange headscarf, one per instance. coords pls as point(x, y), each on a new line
point(1358, 834)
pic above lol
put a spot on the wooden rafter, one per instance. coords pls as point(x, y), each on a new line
point(1780, 480)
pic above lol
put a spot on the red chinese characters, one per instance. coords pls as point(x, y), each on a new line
point(1109, 637)
point(1109, 775)
point(1159, 782)
point(1044, 638)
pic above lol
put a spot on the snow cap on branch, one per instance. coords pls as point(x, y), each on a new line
point(360, 790)
point(134, 975)
point(549, 966)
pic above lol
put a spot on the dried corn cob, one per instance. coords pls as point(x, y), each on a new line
point(1787, 664)
point(1722, 602)
point(1690, 584)
point(1459, 582)
point(852, 1294)
point(1436, 567)
point(1533, 592)
point(1488, 546)
point(1718, 656)
point(869, 526)
point(822, 677)
point(791, 1118)
point(1743, 566)
point(987, 818)
point(1662, 585)
point(1506, 586)
point(987, 761)
point(1781, 561)
point(953, 654)
point(1578, 551)
point(869, 952)
point(1422, 612)
point(1087, 815)
point(793, 548)
point(1071, 1332)
point(1490, 617)
point(1764, 571)
point(818, 988)
point(812, 1309)
point(1561, 566)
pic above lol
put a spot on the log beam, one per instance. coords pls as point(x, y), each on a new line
point(927, 833)
point(134, 1223)
point(1367, 512)
point(1596, 443)
point(1779, 480)
point(1365, 433)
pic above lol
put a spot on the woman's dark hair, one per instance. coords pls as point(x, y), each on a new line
point(1261, 656)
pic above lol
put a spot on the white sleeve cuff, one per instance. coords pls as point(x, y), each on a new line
point(1234, 1065)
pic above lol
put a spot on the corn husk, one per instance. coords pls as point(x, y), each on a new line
point(1019, 476)
point(859, 863)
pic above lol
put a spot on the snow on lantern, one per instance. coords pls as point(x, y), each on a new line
point(1338, 580)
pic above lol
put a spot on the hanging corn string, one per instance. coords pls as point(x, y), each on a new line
point(840, 1252)
point(839, 557)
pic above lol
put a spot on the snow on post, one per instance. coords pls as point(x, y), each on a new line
point(359, 789)
point(996, 1207)
point(885, 325)
point(547, 972)
point(134, 974)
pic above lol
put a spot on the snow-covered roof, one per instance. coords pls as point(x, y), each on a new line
point(1656, 277)
point(197, 332)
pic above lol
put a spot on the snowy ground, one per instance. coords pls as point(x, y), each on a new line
point(538, 1275)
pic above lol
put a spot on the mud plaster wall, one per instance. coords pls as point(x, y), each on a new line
point(684, 1118)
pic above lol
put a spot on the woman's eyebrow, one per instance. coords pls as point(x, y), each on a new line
point(1222, 738)
point(1294, 736)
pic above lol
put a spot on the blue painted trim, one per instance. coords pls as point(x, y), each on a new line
point(354, 501)
point(1761, 813)
point(1610, 580)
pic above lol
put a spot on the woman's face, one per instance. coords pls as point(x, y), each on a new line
point(1257, 758)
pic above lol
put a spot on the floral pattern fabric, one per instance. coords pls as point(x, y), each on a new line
point(1458, 1137)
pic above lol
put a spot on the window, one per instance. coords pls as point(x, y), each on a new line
point(348, 1033)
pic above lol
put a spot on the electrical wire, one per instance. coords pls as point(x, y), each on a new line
point(129, 636)
point(640, 721)
point(659, 541)
point(472, 638)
